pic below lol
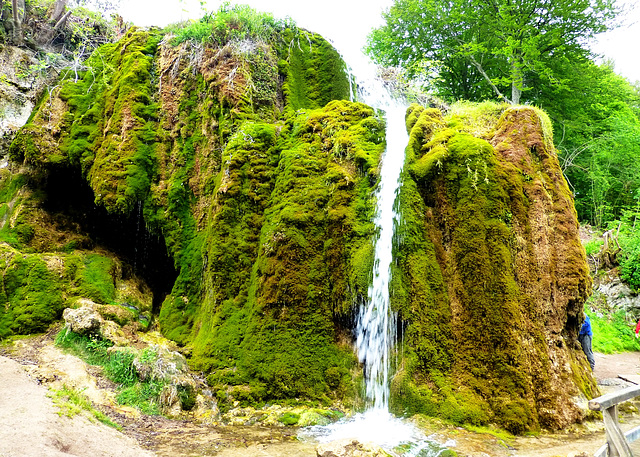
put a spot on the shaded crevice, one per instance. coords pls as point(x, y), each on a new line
point(143, 253)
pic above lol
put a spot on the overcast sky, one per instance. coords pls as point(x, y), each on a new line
point(347, 23)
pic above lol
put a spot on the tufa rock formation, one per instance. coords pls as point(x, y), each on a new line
point(242, 162)
point(491, 276)
point(232, 178)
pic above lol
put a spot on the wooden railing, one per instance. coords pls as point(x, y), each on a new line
point(617, 441)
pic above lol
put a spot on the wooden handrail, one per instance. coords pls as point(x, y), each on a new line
point(618, 443)
point(613, 398)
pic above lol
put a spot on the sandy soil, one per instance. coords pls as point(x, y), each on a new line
point(31, 426)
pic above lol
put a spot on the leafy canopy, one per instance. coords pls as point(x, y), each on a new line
point(484, 47)
point(597, 125)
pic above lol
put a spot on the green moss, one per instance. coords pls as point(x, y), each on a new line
point(33, 296)
point(95, 277)
point(269, 247)
point(289, 418)
point(314, 72)
point(462, 284)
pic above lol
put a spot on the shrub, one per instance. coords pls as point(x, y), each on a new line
point(592, 247)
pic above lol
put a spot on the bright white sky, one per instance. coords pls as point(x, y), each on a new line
point(347, 23)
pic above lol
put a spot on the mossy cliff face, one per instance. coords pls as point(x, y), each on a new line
point(245, 157)
point(491, 276)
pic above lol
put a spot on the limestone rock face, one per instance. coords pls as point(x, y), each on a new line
point(82, 320)
point(491, 275)
point(617, 295)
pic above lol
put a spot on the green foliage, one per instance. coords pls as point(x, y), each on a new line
point(231, 23)
point(613, 331)
point(594, 110)
point(599, 143)
point(592, 247)
point(480, 49)
point(628, 238)
point(197, 31)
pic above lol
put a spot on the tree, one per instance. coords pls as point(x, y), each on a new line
point(57, 16)
point(596, 116)
point(18, 11)
point(488, 46)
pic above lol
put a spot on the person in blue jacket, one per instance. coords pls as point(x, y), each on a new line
point(585, 337)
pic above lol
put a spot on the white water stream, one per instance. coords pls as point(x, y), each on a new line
point(376, 323)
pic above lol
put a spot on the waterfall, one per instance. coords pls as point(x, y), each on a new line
point(376, 324)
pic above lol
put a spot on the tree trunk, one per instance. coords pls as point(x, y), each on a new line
point(609, 252)
point(58, 10)
point(17, 24)
point(62, 21)
point(517, 82)
point(516, 93)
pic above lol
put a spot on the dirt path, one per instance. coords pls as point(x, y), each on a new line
point(31, 426)
point(610, 366)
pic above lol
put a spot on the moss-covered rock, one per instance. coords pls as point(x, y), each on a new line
point(491, 276)
point(241, 152)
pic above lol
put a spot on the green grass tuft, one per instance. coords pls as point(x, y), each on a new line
point(72, 402)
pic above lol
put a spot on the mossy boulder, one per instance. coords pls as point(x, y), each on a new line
point(491, 276)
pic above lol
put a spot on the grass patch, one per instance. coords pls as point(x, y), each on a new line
point(118, 367)
point(90, 348)
point(142, 395)
point(613, 331)
point(72, 402)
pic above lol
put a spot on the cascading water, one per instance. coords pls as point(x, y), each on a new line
point(376, 323)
